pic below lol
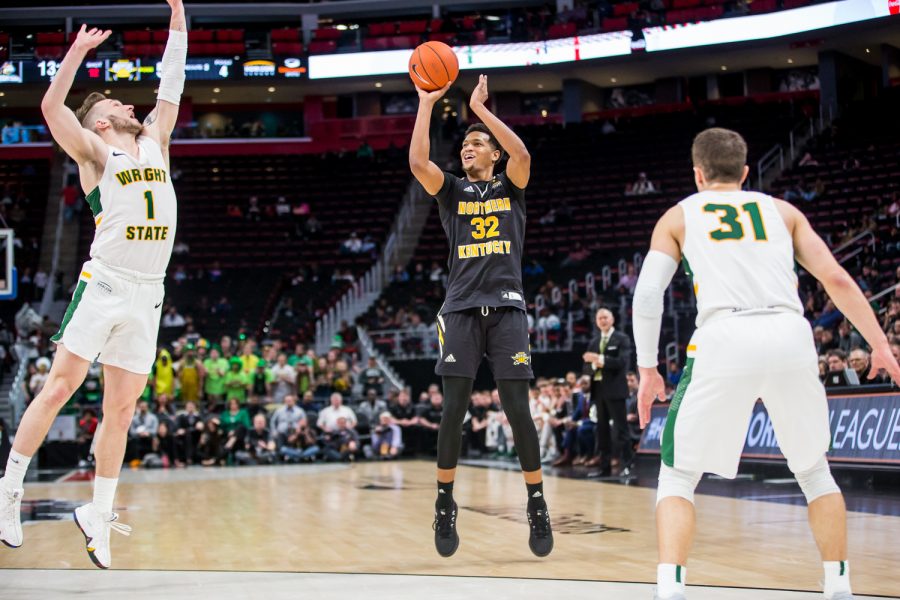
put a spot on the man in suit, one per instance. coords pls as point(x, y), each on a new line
point(607, 360)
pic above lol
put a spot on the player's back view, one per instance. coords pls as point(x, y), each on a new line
point(751, 342)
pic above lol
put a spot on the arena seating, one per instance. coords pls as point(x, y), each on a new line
point(31, 177)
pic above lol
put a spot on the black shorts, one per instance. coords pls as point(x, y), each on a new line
point(469, 335)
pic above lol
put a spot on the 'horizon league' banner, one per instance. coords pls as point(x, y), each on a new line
point(864, 429)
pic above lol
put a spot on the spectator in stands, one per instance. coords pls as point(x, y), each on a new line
point(260, 387)
point(387, 438)
point(807, 160)
point(400, 275)
point(641, 186)
point(300, 444)
point(210, 448)
point(235, 382)
point(254, 212)
point(372, 377)
point(342, 442)
point(37, 381)
point(429, 421)
point(369, 409)
point(824, 339)
point(142, 431)
point(163, 374)
point(188, 429)
point(189, 371)
point(214, 368)
point(404, 414)
point(313, 226)
point(859, 362)
point(70, 201)
point(164, 410)
point(328, 416)
point(259, 447)
point(163, 451)
point(631, 411)
point(548, 321)
point(839, 374)
point(284, 379)
point(87, 428)
point(285, 418)
point(830, 316)
point(282, 208)
point(234, 422)
point(365, 151)
point(628, 279)
point(848, 338)
point(851, 163)
point(576, 256)
point(352, 245)
point(437, 272)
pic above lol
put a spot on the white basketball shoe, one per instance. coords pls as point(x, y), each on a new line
point(842, 596)
point(10, 516)
point(95, 526)
point(675, 597)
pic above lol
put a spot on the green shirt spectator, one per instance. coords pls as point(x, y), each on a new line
point(236, 381)
point(232, 420)
point(216, 367)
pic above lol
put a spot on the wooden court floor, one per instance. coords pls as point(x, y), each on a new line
point(376, 518)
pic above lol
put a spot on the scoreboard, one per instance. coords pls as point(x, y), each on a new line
point(136, 69)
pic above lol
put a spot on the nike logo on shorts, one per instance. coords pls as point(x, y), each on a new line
point(118, 154)
point(158, 305)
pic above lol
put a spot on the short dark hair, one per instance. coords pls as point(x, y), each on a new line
point(86, 106)
point(721, 154)
point(482, 128)
point(838, 353)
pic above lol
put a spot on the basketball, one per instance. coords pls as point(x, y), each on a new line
point(432, 65)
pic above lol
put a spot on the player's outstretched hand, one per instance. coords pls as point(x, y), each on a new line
point(480, 93)
point(651, 388)
point(882, 359)
point(88, 39)
point(432, 97)
point(175, 4)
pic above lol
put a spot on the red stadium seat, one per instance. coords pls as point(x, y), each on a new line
point(625, 9)
point(412, 26)
point(49, 52)
point(322, 46)
point(55, 38)
point(136, 37)
point(327, 33)
point(287, 48)
point(160, 36)
point(447, 38)
point(199, 35)
point(287, 35)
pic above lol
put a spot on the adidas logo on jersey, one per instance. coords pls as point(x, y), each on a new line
point(469, 189)
point(450, 359)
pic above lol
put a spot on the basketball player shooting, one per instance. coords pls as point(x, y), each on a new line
point(114, 313)
point(483, 215)
point(752, 341)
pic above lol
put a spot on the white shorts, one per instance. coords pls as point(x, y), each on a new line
point(732, 362)
point(113, 317)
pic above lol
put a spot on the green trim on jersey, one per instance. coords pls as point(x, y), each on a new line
point(93, 200)
point(687, 268)
point(76, 298)
point(668, 437)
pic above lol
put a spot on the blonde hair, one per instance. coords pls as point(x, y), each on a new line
point(86, 107)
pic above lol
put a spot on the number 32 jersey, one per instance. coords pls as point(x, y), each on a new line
point(739, 254)
point(135, 210)
point(485, 226)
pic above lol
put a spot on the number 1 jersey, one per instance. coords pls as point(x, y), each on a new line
point(135, 210)
point(739, 254)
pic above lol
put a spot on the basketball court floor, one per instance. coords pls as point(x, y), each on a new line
point(364, 531)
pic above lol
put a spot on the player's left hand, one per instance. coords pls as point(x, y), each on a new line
point(883, 359)
point(651, 388)
point(173, 4)
point(480, 93)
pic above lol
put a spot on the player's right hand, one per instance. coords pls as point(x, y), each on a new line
point(651, 387)
point(90, 39)
point(432, 97)
point(882, 359)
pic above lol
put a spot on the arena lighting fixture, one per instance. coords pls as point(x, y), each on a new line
point(341, 27)
point(540, 86)
point(2, 94)
point(790, 61)
point(867, 51)
point(271, 89)
point(378, 84)
point(107, 92)
point(613, 79)
point(607, 45)
point(724, 68)
point(214, 100)
point(216, 90)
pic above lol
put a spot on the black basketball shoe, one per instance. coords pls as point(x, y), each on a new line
point(446, 540)
point(540, 539)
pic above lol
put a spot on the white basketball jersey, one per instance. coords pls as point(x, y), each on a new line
point(739, 254)
point(135, 210)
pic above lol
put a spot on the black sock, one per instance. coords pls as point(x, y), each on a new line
point(445, 495)
point(536, 496)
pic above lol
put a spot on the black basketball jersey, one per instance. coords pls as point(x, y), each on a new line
point(485, 226)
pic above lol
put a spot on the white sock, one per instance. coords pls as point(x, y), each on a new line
point(16, 466)
point(837, 577)
point(670, 580)
point(104, 493)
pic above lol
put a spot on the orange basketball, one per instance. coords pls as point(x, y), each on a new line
point(432, 65)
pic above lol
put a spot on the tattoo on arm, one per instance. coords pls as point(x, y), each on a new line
point(152, 116)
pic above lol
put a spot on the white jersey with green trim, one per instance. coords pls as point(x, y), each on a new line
point(739, 254)
point(135, 210)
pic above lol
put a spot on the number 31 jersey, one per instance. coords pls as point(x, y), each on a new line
point(739, 254)
point(135, 210)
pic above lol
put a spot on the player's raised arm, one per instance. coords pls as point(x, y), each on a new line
point(814, 256)
point(429, 174)
point(83, 145)
point(518, 168)
point(161, 121)
point(647, 306)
